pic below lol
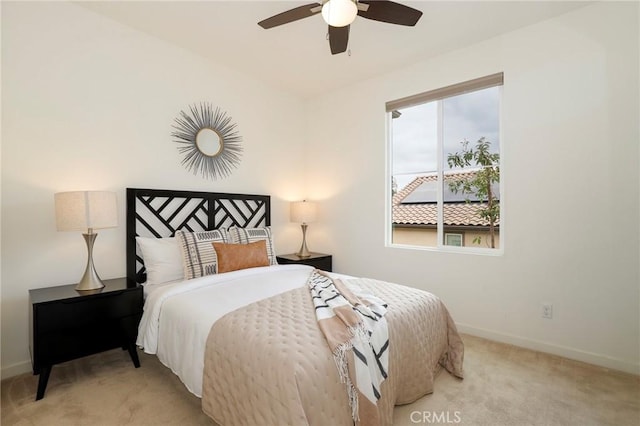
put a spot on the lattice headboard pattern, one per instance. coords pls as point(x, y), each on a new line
point(160, 213)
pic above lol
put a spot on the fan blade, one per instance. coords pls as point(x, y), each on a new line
point(291, 15)
point(338, 39)
point(390, 12)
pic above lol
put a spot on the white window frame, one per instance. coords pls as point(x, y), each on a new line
point(494, 80)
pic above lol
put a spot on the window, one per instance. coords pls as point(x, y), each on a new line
point(444, 149)
point(451, 239)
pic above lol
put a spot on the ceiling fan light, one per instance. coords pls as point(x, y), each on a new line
point(339, 13)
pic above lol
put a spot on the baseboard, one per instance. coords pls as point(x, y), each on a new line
point(15, 369)
point(563, 351)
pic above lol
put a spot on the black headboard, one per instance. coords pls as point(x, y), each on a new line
point(161, 212)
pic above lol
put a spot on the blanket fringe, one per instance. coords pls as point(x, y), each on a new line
point(340, 357)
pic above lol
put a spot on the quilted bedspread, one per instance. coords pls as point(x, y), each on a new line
point(269, 364)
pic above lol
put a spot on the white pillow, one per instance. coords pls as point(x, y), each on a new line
point(162, 259)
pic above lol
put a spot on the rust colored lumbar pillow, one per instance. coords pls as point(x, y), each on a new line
point(232, 257)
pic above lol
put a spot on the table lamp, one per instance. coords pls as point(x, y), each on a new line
point(86, 211)
point(303, 212)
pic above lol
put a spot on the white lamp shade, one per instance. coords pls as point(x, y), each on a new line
point(339, 13)
point(303, 212)
point(83, 210)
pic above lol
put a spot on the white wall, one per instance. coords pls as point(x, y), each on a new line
point(570, 166)
point(88, 104)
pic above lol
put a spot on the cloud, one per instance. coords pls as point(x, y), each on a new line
point(414, 139)
point(469, 116)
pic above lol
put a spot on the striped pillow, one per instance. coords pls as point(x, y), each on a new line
point(198, 256)
point(251, 235)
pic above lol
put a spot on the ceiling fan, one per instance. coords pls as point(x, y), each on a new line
point(339, 14)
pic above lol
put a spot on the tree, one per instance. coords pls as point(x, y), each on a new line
point(480, 183)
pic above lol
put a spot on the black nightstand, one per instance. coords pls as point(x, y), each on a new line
point(65, 324)
point(317, 260)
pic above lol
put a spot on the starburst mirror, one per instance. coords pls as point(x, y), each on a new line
point(208, 140)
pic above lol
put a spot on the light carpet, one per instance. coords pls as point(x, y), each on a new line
point(503, 386)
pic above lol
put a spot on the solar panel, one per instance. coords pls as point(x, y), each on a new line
point(427, 192)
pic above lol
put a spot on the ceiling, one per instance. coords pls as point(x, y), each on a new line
point(296, 56)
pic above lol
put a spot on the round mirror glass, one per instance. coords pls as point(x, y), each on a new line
point(208, 142)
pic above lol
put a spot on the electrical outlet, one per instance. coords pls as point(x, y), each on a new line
point(547, 310)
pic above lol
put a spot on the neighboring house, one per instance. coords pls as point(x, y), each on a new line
point(415, 214)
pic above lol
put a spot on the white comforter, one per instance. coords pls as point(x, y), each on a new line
point(177, 317)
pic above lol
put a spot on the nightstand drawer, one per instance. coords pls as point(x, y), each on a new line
point(86, 310)
point(317, 260)
point(85, 339)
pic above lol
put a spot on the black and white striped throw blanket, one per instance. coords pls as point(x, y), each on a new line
point(355, 328)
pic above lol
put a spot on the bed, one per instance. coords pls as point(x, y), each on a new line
point(247, 341)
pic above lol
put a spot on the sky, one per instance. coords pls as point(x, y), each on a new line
point(468, 116)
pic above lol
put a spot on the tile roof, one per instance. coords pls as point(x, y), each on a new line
point(455, 214)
